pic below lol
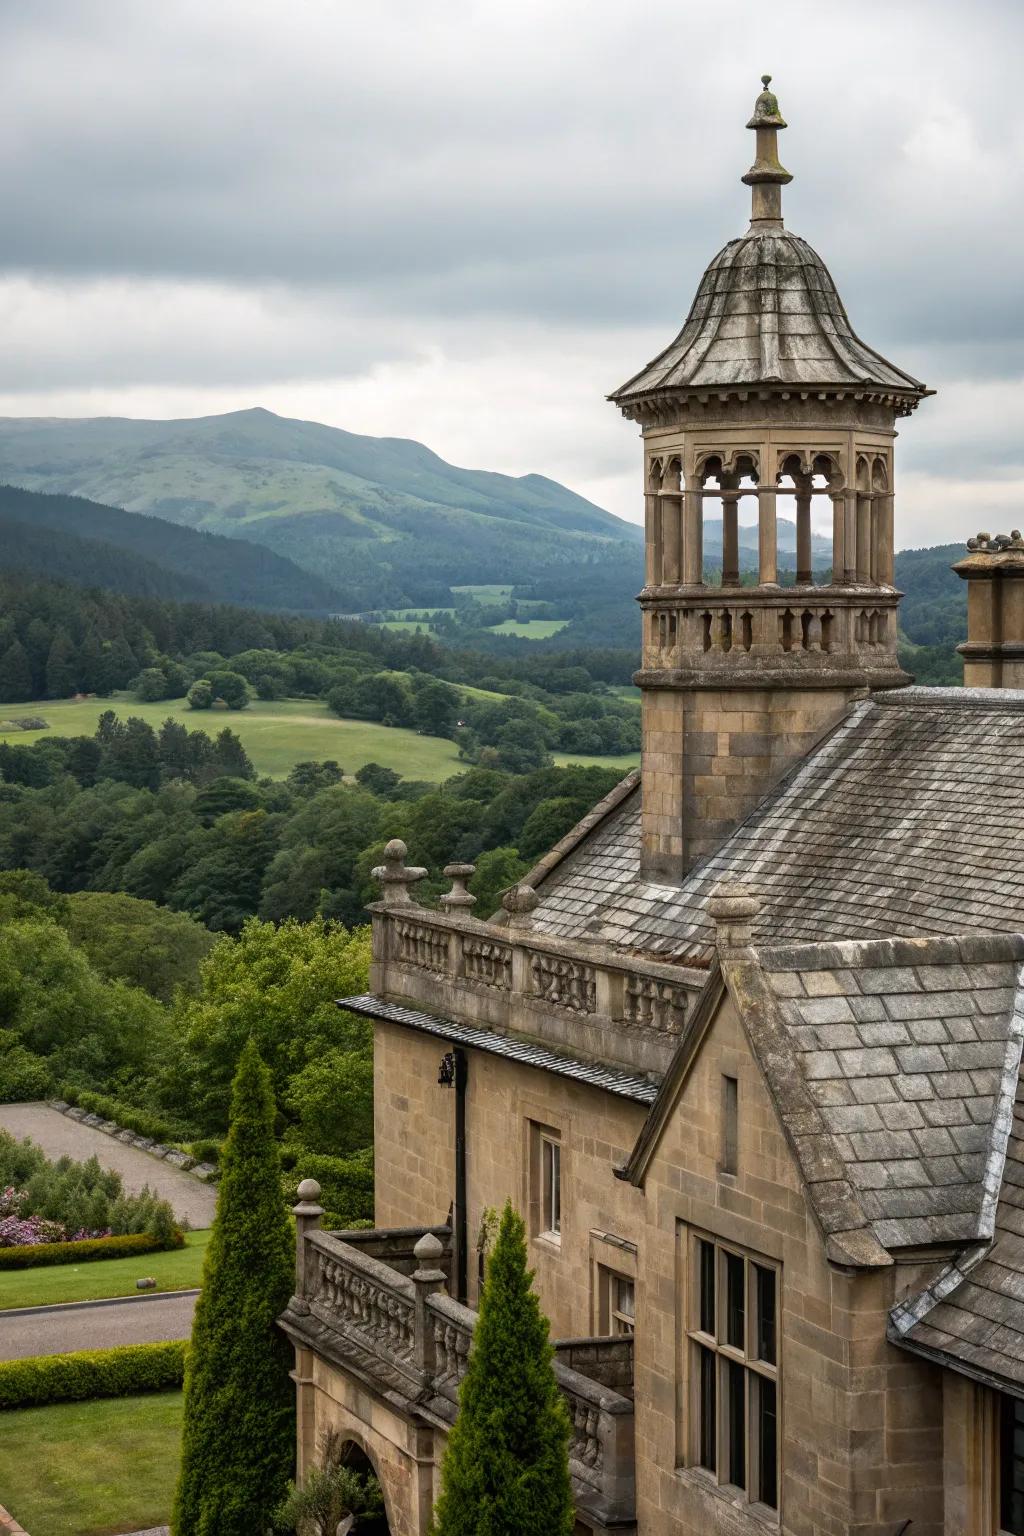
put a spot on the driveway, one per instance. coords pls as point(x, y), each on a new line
point(191, 1199)
point(96, 1325)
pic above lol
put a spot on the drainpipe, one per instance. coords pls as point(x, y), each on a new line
point(454, 1074)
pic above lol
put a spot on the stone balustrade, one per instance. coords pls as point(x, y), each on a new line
point(584, 998)
point(731, 630)
point(396, 1330)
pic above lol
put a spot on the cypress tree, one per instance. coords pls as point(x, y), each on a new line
point(239, 1437)
point(506, 1468)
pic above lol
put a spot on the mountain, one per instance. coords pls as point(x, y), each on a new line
point(384, 519)
point(821, 546)
point(66, 538)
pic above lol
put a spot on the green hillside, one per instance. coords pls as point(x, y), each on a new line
point(384, 519)
point(67, 538)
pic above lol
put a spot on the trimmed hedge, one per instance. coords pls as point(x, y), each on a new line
point(91, 1373)
point(36, 1255)
point(141, 1121)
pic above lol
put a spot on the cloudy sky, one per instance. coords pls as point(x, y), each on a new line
point(466, 222)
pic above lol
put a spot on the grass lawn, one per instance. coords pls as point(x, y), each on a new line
point(93, 1468)
point(178, 1270)
point(276, 735)
point(529, 629)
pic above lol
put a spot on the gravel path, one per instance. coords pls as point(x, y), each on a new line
point(191, 1199)
point(85, 1325)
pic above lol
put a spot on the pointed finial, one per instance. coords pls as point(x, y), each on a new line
point(767, 176)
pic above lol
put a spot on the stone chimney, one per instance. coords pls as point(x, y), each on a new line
point(994, 572)
point(766, 391)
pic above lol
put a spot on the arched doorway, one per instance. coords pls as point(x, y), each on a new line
point(353, 1456)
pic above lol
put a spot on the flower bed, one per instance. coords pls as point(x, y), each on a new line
point(66, 1204)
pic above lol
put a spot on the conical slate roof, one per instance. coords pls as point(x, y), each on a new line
point(767, 311)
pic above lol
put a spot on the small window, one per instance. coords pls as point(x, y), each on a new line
point(730, 1125)
point(1011, 1466)
point(734, 1370)
point(551, 1190)
point(617, 1302)
point(545, 1181)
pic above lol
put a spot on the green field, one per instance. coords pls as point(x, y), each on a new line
point(178, 1270)
point(280, 734)
point(625, 760)
point(276, 735)
point(93, 1468)
point(487, 593)
point(529, 629)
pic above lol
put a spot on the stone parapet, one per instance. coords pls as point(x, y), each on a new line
point(601, 1004)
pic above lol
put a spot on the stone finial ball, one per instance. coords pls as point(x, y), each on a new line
point(309, 1190)
point(396, 849)
point(429, 1249)
point(520, 899)
point(731, 900)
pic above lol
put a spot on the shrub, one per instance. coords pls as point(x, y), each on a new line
point(23, 1075)
point(91, 1373)
point(238, 1444)
point(127, 1246)
point(45, 1202)
point(142, 1121)
point(206, 1151)
point(346, 1184)
point(506, 1466)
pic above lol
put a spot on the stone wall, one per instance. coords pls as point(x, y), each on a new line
point(860, 1421)
point(414, 1130)
point(710, 756)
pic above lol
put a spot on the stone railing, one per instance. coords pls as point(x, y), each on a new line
point(601, 1457)
point(358, 1294)
point(731, 630)
point(626, 1011)
point(403, 1334)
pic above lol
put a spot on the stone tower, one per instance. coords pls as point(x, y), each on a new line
point(766, 389)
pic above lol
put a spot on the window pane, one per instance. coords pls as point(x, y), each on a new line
point(1012, 1466)
point(734, 1300)
point(707, 1287)
point(625, 1303)
point(736, 1418)
point(765, 1314)
point(556, 1187)
point(708, 1410)
point(767, 1442)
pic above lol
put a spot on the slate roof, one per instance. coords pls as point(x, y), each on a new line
point(910, 1051)
point(973, 1317)
point(625, 1085)
point(906, 820)
point(767, 311)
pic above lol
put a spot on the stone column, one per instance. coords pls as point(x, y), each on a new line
point(429, 1279)
point(838, 537)
point(693, 532)
point(767, 541)
point(652, 538)
point(308, 1214)
point(804, 560)
point(850, 539)
point(886, 573)
point(730, 533)
point(671, 509)
point(864, 519)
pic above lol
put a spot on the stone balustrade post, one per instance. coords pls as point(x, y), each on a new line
point(308, 1215)
point(429, 1280)
point(396, 877)
point(609, 992)
point(733, 909)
